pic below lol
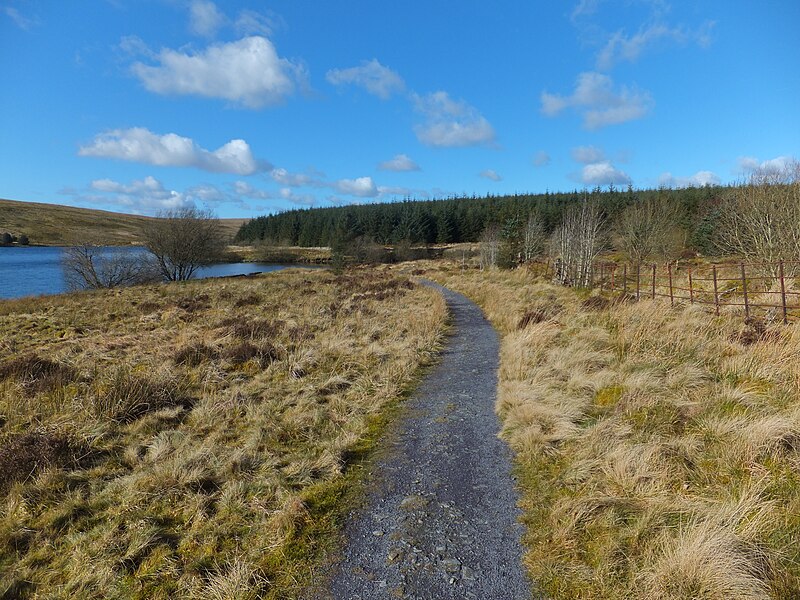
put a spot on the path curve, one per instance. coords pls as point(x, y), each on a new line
point(441, 520)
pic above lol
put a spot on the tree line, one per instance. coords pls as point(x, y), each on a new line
point(757, 219)
point(467, 219)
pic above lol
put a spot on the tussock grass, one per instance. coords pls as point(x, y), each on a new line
point(196, 440)
point(658, 448)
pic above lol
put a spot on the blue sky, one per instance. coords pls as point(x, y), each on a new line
point(255, 107)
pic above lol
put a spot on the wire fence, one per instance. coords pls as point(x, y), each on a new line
point(767, 290)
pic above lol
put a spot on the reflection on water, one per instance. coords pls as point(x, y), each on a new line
point(32, 271)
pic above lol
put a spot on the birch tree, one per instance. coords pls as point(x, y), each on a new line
point(576, 244)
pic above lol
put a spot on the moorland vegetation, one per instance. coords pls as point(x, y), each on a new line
point(658, 447)
point(198, 439)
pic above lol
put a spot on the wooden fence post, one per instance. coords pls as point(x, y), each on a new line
point(602, 275)
point(653, 293)
point(744, 291)
point(613, 271)
point(716, 295)
point(671, 294)
point(691, 289)
point(783, 292)
point(638, 280)
point(625, 279)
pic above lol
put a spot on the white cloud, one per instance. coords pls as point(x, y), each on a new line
point(205, 18)
point(584, 8)
point(490, 174)
point(377, 79)
point(599, 103)
point(248, 72)
point(588, 154)
point(20, 20)
point(699, 179)
point(300, 199)
point(602, 173)
point(251, 22)
point(242, 188)
point(394, 191)
point(140, 196)
point(774, 166)
point(284, 177)
point(621, 47)
point(363, 187)
point(133, 45)
point(207, 193)
point(171, 150)
point(400, 162)
point(451, 123)
point(541, 159)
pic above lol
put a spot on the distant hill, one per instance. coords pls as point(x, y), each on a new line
point(57, 225)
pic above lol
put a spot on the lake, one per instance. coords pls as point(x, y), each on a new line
point(32, 271)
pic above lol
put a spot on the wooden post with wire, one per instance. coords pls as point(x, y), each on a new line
point(716, 294)
point(602, 275)
point(671, 293)
point(625, 279)
point(691, 289)
point(638, 280)
point(744, 292)
point(653, 291)
point(783, 292)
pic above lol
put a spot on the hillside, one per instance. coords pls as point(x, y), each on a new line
point(56, 225)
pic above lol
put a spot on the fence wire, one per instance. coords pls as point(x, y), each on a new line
point(768, 290)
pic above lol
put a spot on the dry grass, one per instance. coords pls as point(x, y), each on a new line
point(56, 225)
point(658, 448)
point(196, 440)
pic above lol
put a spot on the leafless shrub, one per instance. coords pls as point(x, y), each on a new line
point(490, 247)
point(760, 220)
point(648, 229)
point(93, 267)
point(576, 244)
point(183, 240)
point(534, 237)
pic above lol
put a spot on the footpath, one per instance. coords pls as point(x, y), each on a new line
point(441, 519)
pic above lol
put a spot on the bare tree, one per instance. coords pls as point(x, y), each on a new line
point(534, 237)
point(648, 229)
point(576, 244)
point(94, 267)
point(490, 247)
point(183, 240)
point(760, 220)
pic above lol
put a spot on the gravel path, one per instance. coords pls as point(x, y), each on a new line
point(441, 521)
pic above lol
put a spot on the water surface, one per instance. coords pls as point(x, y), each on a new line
point(36, 270)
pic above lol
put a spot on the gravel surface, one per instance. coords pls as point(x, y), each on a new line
point(441, 520)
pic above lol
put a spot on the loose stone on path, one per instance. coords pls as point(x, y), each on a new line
point(441, 520)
